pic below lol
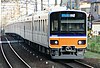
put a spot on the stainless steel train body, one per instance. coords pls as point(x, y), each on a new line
point(61, 34)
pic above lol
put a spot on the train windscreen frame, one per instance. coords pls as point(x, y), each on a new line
point(68, 22)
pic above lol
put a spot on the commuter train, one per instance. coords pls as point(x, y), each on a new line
point(62, 34)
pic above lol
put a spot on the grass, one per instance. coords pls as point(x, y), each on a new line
point(94, 44)
point(93, 47)
point(89, 54)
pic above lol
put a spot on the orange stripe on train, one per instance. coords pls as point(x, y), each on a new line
point(68, 42)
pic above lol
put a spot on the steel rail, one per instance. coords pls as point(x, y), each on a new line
point(89, 66)
point(70, 64)
point(9, 64)
point(17, 54)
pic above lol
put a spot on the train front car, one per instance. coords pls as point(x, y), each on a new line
point(68, 36)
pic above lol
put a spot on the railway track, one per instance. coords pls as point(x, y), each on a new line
point(74, 64)
point(34, 59)
point(84, 64)
point(12, 58)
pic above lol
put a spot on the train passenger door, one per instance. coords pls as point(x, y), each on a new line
point(32, 26)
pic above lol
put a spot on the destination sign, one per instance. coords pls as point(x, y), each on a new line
point(67, 15)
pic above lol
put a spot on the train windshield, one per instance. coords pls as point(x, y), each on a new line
point(72, 25)
point(67, 22)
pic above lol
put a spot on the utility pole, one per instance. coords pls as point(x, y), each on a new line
point(61, 3)
point(41, 5)
point(18, 8)
point(26, 7)
point(77, 4)
point(0, 16)
point(35, 5)
point(70, 4)
point(48, 3)
point(55, 2)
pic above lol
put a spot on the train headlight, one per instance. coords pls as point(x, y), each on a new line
point(54, 42)
point(81, 42)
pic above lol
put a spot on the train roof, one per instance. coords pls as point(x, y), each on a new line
point(57, 9)
point(69, 10)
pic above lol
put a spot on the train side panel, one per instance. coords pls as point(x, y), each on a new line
point(40, 24)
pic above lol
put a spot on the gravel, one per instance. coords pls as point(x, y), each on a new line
point(92, 61)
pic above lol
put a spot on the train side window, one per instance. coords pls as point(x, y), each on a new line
point(39, 25)
point(55, 25)
point(35, 25)
point(43, 25)
point(32, 26)
point(47, 25)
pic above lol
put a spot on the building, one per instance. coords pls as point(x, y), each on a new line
point(85, 6)
point(9, 10)
point(95, 9)
point(96, 27)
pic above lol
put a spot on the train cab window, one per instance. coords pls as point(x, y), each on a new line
point(98, 32)
point(64, 27)
point(72, 25)
point(76, 27)
point(55, 25)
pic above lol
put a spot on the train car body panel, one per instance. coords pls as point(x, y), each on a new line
point(68, 42)
point(40, 28)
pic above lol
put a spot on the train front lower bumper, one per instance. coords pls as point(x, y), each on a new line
point(67, 53)
point(68, 57)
